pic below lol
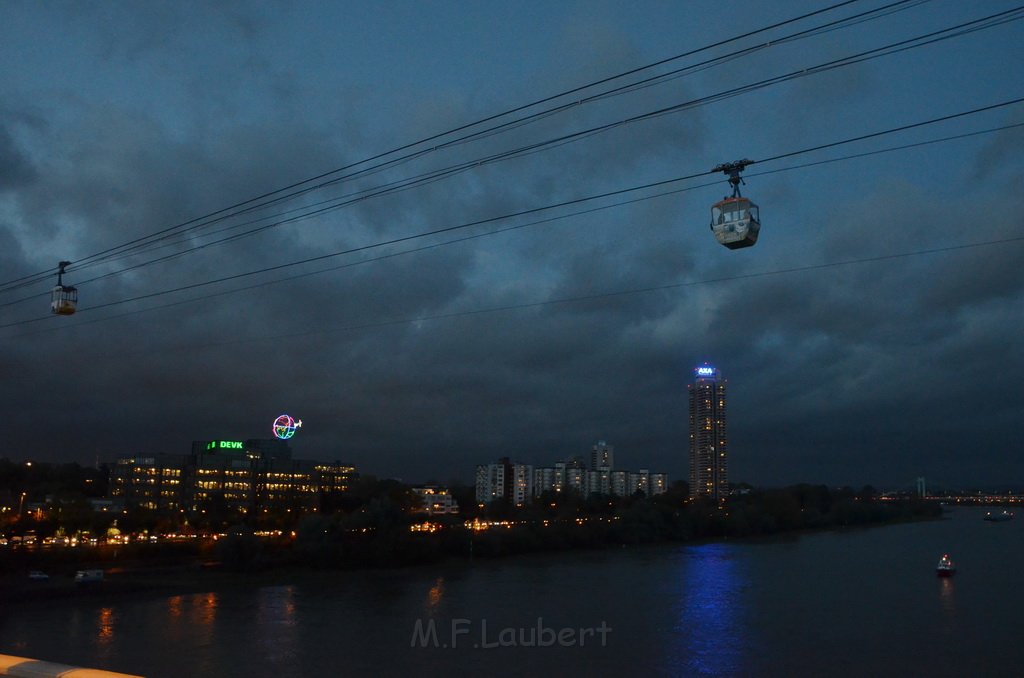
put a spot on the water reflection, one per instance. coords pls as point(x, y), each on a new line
point(276, 606)
point(710, 632)
point(946, 594)
point(435, 594)
point(174, 606)
point(204, 609)
point(946, 597)
point(105, 626)
point(277, 622)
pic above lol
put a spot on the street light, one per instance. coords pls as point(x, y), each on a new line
point(21, 503)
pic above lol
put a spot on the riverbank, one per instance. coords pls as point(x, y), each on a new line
point(140, 578)
point(119, 583)
point(717, 607)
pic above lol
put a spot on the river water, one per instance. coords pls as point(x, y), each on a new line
point(855, 602)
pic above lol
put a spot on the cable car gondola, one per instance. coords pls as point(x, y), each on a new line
point(735, 220)
point(63, 298)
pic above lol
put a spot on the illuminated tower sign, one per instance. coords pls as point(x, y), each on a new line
point(709, 467)
point(285, 425)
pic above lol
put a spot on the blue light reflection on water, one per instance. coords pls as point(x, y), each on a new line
point(276, 619)
point(711, 634)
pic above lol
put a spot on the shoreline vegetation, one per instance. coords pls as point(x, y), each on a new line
point(383, 533)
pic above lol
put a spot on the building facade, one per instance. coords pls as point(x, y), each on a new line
point(572, 475)
point(153, 482)
point(602, 455)
point(709, 461)
point(238, 476)
point(504, 480)
point(435, 501)
point(521, 483)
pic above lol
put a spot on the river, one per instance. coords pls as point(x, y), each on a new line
point(853, 602)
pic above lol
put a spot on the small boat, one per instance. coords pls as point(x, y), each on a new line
point(998, 517)
point(86, 577)
point(945, 568)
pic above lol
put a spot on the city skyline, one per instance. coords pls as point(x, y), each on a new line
point(430, 327)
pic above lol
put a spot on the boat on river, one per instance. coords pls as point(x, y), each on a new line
point(88, 577)
point(945, 568)
point(1001, 517)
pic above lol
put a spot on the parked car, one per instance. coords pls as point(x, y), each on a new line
point(38, 575)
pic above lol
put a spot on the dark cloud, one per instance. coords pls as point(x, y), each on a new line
point(16, 170)
point(874, 372)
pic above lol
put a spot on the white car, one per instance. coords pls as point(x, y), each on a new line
point(37, 575)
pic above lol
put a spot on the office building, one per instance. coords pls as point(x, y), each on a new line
point(239, 476)
point(709, 463)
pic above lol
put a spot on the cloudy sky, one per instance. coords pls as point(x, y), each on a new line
point(873, 334)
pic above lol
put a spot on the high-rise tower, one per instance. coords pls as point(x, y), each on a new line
point(602, 454)
point(709, 465)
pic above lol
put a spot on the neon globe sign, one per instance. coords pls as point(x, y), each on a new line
point(285, 426)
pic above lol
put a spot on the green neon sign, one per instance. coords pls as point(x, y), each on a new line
point(224, 445)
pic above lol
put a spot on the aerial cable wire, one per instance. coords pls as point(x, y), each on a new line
point(935, 36)
point(597, 296)
point(533, 210)
point(423, 248)
point(47, 273)
point(417, 180)
point(567, 203)
point(411, 182)
point(442, 173)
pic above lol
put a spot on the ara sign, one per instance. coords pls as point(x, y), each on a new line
point(706, 371)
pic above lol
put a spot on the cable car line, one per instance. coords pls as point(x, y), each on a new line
point(506, 229)
point(811, 32)
point(454, 130)
point(902, 128)
point(381, 257)
point(546, 220)
point(935, 36)
point(658, 79)
point(932, 37)
point(430, 177)
point(438, 174)
point(531, 211)
point(600, 295)
point(891, 149)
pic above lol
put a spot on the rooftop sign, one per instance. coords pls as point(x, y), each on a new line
point(706, 371)
point(224, 445)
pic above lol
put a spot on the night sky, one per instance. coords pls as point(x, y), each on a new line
point(119, 120)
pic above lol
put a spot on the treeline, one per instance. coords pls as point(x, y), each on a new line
point(378, 533)
point(371, 526)
point(38, 480)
